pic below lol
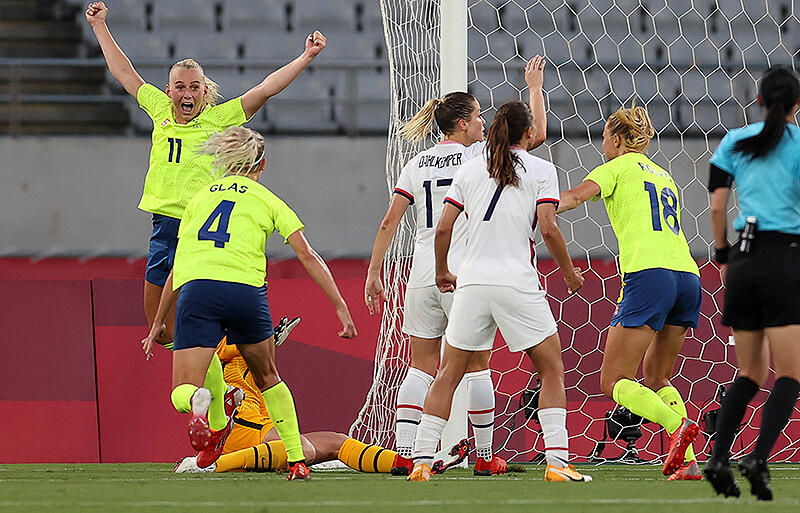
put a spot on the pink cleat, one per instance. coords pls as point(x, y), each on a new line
point(678, 442)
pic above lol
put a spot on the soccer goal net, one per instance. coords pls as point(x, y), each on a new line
point(694, 65)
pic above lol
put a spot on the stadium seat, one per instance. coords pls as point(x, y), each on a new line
point(143, 45)
point(330, 15)
point(254, 16)
point(202, 46)
point(194, 15)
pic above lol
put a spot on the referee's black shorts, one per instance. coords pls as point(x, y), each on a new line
point(763, 287)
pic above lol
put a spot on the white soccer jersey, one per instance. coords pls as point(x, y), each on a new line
point(425, 180)
point(501, 221)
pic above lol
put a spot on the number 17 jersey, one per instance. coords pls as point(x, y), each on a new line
point(424, 181)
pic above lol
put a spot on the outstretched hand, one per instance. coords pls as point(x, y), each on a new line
point(96, 12)
point(149, 341)
point(534, 72)
point(315, 43)
point(348, 326)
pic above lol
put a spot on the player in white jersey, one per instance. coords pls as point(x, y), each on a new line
point(504, 193)
point(423, 183)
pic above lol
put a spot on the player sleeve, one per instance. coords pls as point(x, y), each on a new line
point(455, 194)
point(229, 113)
point(723, 157)
point(604, 176)
point(548, 187)
point(286, 220)
point(403, 185)
point(474, 149)
point(152, 100)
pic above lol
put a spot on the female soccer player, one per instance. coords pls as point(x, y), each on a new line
point(183, 117)
point(220, 266)
point(423, 181)
point(503, 195)
point(763, 281)
point(660, 292)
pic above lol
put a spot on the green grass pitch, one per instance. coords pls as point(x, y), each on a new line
point(151, 487)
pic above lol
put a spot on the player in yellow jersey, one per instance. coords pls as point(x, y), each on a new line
point(660, 293)
point(254, 444)
point(183, 115)
point(220, 267)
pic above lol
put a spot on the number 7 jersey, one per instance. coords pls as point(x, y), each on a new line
point(224, 231)
point(643, 206)
point(424, 181)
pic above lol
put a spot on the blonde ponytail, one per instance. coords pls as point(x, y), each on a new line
point(634, 126)
point(237, 150)
point(418, 127)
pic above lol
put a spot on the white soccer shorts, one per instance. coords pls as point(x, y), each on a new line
point(523, 317)
point(426, 312)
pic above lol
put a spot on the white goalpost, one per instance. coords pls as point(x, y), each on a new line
point(694, 65)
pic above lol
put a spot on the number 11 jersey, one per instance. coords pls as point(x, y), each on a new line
point(424, 181)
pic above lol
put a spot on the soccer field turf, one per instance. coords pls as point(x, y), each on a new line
point(153, 487)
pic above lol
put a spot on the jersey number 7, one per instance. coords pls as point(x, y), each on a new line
point(220, 236)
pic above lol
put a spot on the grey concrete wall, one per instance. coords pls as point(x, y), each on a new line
point(78, 195)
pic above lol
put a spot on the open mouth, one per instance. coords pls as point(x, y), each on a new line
point(187, 107)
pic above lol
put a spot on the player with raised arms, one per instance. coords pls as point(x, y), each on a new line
point(762, 297)
point(660, 292)
point(220, 267)
point(423, 181)
point(503, 194)
point(183, 115)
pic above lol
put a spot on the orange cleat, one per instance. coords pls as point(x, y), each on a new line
point(690, 471)
point(421, 472)
point(555, 474)
point(401, 466)
point(298, 471)
point(496, 466)
point(678, 442)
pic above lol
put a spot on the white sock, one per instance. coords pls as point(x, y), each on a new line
point(480, 391)
point(556, 440)
point(410, 399)
point(428, 435)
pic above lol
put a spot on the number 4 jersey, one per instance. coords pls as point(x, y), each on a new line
point(424, 181)
point(642, 203)
point(224, 231)
point(501, 220)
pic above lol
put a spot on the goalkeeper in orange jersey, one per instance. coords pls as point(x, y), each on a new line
point(254, 444)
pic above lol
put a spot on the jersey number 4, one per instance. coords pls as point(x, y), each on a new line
point(220, 236)
point(670, 203)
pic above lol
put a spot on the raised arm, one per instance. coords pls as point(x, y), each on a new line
point(576, 196)
point(374, 293)
point(316, 268)
point(168, 297)
point(445, 280)
point(118, 63)
point(278, 80)
point(534, 78)
point(554, 240)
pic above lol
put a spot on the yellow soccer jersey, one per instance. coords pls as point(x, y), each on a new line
point(236, 374)
point(177, 169)
point(642, 203)
point(224, 232)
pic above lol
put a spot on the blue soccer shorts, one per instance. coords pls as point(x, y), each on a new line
point(655, 297)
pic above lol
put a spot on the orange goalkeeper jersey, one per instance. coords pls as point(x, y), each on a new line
point(236, 373)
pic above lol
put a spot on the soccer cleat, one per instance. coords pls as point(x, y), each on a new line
point(215, 445)
point(199, 432)
point(721, 478)
point(188, 465)
point(284, 328)
point(298, 471)
point(421, 472)
point(459, 452)
point(678, 442)
point(496, 466)
point(401, 466)
point(233, 398)
point(568, 473)
point(757, 473)
point(689, 472)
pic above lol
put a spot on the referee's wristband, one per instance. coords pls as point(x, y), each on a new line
point(721, 255)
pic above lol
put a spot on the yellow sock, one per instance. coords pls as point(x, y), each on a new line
point(262, 457)
point(644, 402)
point(673, 399)
point(366, 458)
point(182, 397)
point(280, 405)
point(216, 384)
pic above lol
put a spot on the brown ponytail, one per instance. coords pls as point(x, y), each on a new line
point(507, 129)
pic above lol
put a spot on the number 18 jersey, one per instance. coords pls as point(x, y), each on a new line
point(224, 231)
point(642, 203)
point(424, 181)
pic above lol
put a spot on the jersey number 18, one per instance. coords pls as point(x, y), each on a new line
point(670, 203)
